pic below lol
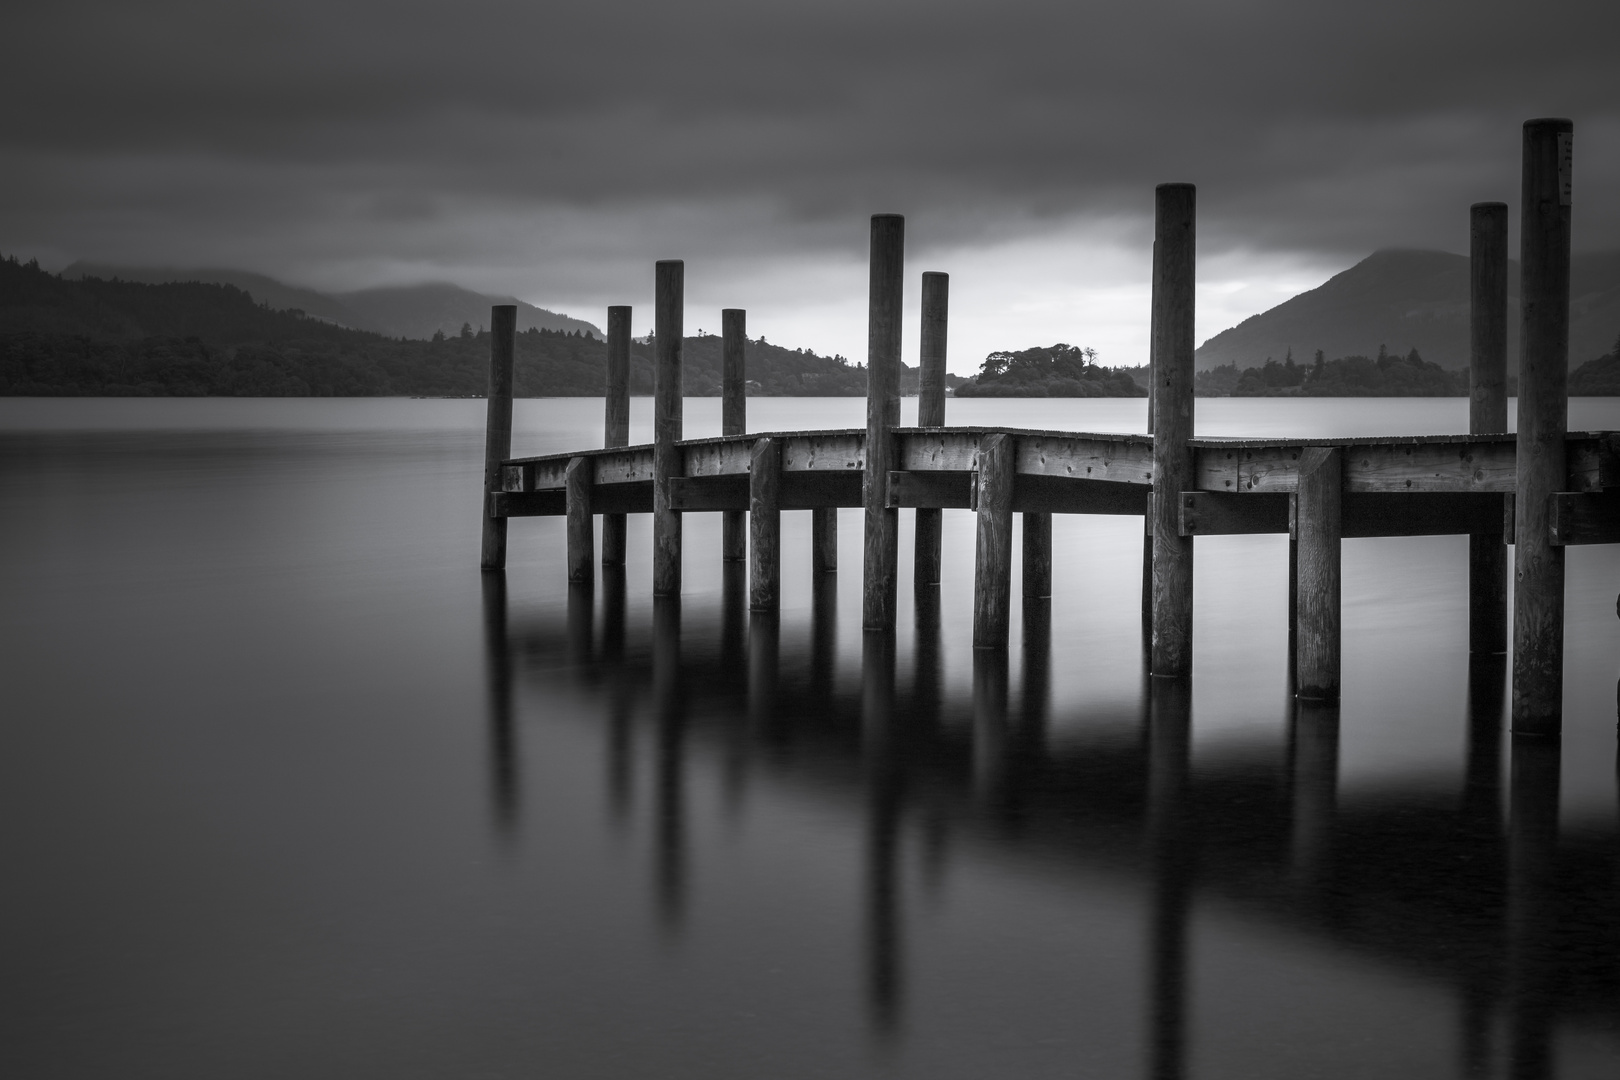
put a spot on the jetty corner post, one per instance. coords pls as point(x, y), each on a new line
point(765, 525)
point(497, 430)
point(670, 298)
point(1538, 566)
point(733, 416)
point(992, 572)
point(1487, 411)
point(577, 480)
point(616, 430)
point(1174, 269)
point(1319, 526)
point(936, 296)
point(881, 538)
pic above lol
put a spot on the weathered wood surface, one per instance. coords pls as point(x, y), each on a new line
point(928, 525)
point(765, 526)
point(880, 566)
point(668, 458)
point(581, 535)
point(1174, 250)
point(734, 416)
point(1037, 555)
point(1487, 412)
point(497, 430)
point(616, 425)
point(992, 575)
point(1365, 514)
point(1538, 564)
point(1581, 517)
point(1318, 531)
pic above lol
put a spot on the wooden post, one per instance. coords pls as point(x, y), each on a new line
point(936, 295)
point(733, 416)
point(881, 540)
point(1037, 556)
point(1318, 531)
point(577, 503)
point(1147, 518)
point(992, 573)
point(824, 540)
point(497, 429)
point(1487, 413)
point(1538, 566)
point(670, 302)
point(765, 525)
point(1174, 254)
point(617, 427)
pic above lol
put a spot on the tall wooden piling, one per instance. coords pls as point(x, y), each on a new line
point(670, 299)
point(577, 505)
point(616, 428)
point(881, 540)
point(824, 540)
point(765, 525)
point(1487, 412)
point(1319, 527)
point(1174, 253)
point(1538, 566)
point(992, 573)
point(936, 297)
point(1037, 555)
point(497, 430)
point(733, 416)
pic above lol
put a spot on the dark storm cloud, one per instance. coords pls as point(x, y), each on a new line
point(1329, 129)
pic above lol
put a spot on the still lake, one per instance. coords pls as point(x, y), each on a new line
point(289, 788)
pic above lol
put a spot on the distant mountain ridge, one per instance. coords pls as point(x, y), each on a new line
point(408, 311)
point(1404, 300)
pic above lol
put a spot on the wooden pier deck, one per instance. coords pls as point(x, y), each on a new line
point(1540, 490)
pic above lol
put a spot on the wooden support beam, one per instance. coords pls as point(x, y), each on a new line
point(821, 490)
point(581, 538)
point(1318, 531)
point(824, 538)
point(725, 493)
point(1036, 494)
point(1213, 513)
point(992, 575)
point(669, 303)
point(616, 426)
point(1172, 351)
point(1583, 517)
point(931, 413)
point(1538, 564)
point(765, 526)
point(884, 310)
point(934, 490)
point(1037, 555)
point(733, 416)
point(510, 504)
point(497, 430)
point(1487, 412)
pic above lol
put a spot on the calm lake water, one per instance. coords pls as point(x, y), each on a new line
point(291, 789)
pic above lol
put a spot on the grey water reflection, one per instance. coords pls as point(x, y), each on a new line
point(1476, 891)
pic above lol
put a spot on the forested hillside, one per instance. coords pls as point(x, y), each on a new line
point(94, 337)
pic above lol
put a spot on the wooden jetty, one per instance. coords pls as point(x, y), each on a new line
point(1565, 488)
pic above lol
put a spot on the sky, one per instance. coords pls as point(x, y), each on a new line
point(555, 151)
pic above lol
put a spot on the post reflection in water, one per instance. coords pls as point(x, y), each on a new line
point(883, 740)
point(669, 705)
point(1171, 852)
point(1476, 894)
point(502, 736)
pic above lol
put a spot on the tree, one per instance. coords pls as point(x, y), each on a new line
point(466, 332)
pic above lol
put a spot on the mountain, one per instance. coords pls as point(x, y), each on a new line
point(1404, 300)
point(409, 311)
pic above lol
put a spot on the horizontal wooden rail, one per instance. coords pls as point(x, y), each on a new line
point(1580, 517)
point(1444, 513)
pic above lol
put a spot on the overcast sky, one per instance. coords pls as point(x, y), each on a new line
point(555, 150)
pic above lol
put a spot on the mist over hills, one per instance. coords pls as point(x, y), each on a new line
point(408, 311)
point(1406, 300)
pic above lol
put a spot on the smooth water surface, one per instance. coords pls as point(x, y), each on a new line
point(291, 789)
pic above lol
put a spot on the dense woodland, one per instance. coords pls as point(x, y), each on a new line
point(93, 337)
point(1053, 371)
